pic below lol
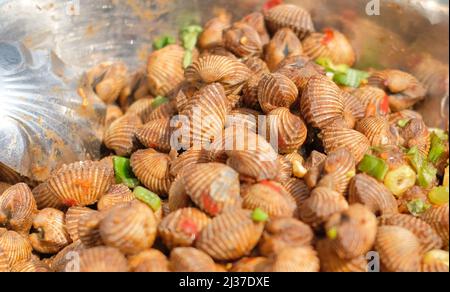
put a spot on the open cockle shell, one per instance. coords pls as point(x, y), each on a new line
point(121, 135)
point(377, 130)
point(16, 247)
point(72, 220)
point(212, 34)
point(116, 194)
point(156, 134)
point(89, 228)
point(283, 45)
point(256, 20)
point(290, 16)
point(334, 138)
point(242, 40)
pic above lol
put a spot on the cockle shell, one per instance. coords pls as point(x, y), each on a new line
point(178, 198)
point(89, 228)
point(298, 190)
point(276, 90)
point(293, 259)
point(290, 128)
point(16, 247)
point(113, 112)
point(121, 135)
point(354, 109)
point(242, 40)
point(188, 159)
point(338, 168)
point(290, 16)
point(116, 194)
point(377, 130)
point(283, 44)
point(212, 34)
point(334, 138)
point(244, 118)
point(152, 170)
point(137, 89)
point(66, 259)
point(250, 92)
point(45, 198)
point(142, 107)
point(17, 208)
point(394, 118)
point(248, 264)
point(331, 262)
point(299, 69)
point(438, 218)
point(181, 227)
point(81, 183)
point(151, 260)
point(257, 65)
point(164, 111)
point(435, 261)
point(285, 170)
point(189, 259)
point(256, 20)
point(214, 187)
point(4, 262)
point(72, 219)
point(156, 134)
point(32, 265)
point(375, 97)
point(316, 158)
point(102, 259)
point(7, 175)
point(416, 133)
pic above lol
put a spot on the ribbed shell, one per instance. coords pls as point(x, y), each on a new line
point(72, 219)
point(331, 262)
point(298, 190)
point(276, 90)
point(156, 134)
point(404, 114)
point(152, 170)
point(129, 227)
point(165, 69)
point(242, 40)
point(108, 80)
point(285, 170)
point(368, 191)
point(282, 233)
point(294, 259)
point(399, 249)
point(416, 134)
point(89, 229)
point(330, 44)
point(121, 135)
point(30, 266)
point(243, 118)
point(438, 218)
point(428, 238)
point(66, 258)
point(376, 129)
point(142, 108)
point(316, 158)
point(164, 111)
point(16, 247)
point(321, 102)
point(271, 197)
point(113, 112)
point(257, 65)
point(45, 198)
point(230, 235)
point(321, 205)
point(356, 230)
point(299, 69)
point(250, 92)
point(147, 261)
point(4, 262)
point(291, 129)
point(52, 235)
point(212, 35)
point(435, 261)
point(8, 175)
point(354, 109)
point(256, 20)
point(81, 183)
point(248, 264)
point(116, 194)
point(17, 208)
point(372, 96)
point(178, 198)
point(214, 187)
point(231, 73)
point(283, 44)
point(181, 227)
point(102, 259)
point(189, 259)
point(339, 168)
point(334, 138)
point(291, 16)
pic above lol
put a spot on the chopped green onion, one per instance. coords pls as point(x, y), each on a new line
point(426, 175)
point(189, 36)
point(373, 166)
point(437, 147)
point(438, 195)
point(332, 233)
point(343, 74)
point(258, 215)
point(399, 180)
point(163, 41)
point(187, 59)
point(417, 207)
point(159, 100)
point(123, 173)
point(415, 158)
point(403, 122)
point(149, 198)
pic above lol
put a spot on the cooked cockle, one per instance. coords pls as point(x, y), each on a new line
point(156, 134)
point(7, 175)
point(214, 187)
point(438, 218)
point(435, 261)
point(4, 264)
point(404, 115)
point(233, 101)
point(183, 95)
point(352, 232)
point(416, 194)
point(271, 197)
point(256, 20)
point(100, 259)
point(218, 51)
point(404, 90)
point(230, 235)
point(331, 262)
point(295, 162)
point(142, 107)
point(257, 65)
point(353, 108)
point(50, 234)
point(89, 228)
point(165, 69)
point(242, 40)
point(81, 183)
point(72, 219)
point(4, 187)
point(116, 194)
point(162, 109)
point(150, 260)
point(399, 249)
point(374, 195)
point(334, 138)
point(316, 158)
point(321, 205)
point(121, 135)
point(290, 129)
point(16, 247)
point(428, 238)
point(244, 118)
point(181, 227)
point(377, 130)
point(282, 233)
point(212, 34)
point(330, 44)
point(285, 170)
point(374, 100)
point(250, 92)
point(66, 260)
point(187, 159)
point(276, 90)
point(283, 44)
point(232, 74)
point(137, 89)
point(32, 265)
point(416, 134)
point(113, 112)
point(299, 69)
point(298, 190)
point(290, 16)
point(338, 169)
point(17, 208)
point(248, 264)
point(189, 259)
point(152, 170)
point(292, 259)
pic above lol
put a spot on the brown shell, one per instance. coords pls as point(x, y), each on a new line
point(218, 51)
point(354, 110)
point(285, 170)
point(243, 118)
point(316, 158)
point(416, 133)
point(293, 259)
point(184, 94)
point(30, 266)
point(250, 92)
point(230, 235)
point(16, 247)
point(298, 190)
point(89, 228)
point(45, 198)
point(248, 264)
point(181, 227)
point(178, 198)
point(299, 69)
point(368, 191)
point(130, 227)
point(271, 197)
point(208, 69)
point(290, 128)
point(435, 261)
point(212, 35)
point(282, 233)
point(7, 175)
point(334, 138)
point(330, 44)
point(283, 44)
point(189, 259)
point(102, 259)
point(331, 262)
point(147, 261)
point(339, 168)
point(116, 194)
point(256, 20)
point(81, 183)
point(371, 96)
point(290, 16)
point(17, 208)
point(137, 88)
point(321, 205)
point(72, 219)
point(356, 230)
point(242, 40)
point(4, 262)
point(428, 238)
point(152, 170)
point(399, 249)
point(214, 187)
point(404, 114)
point(321, 102)
point(165, 111)
point(51, 235)
point(165, 69)
point(376, 129)
point(276, 90)
point(142, 108)
point(233, 101)
point(438, 218)
point(256, 65)
point(113, 112)
point(121, 135)
point(4, 187)
point(66, 259)
point(156, 134)
point(108, 80)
